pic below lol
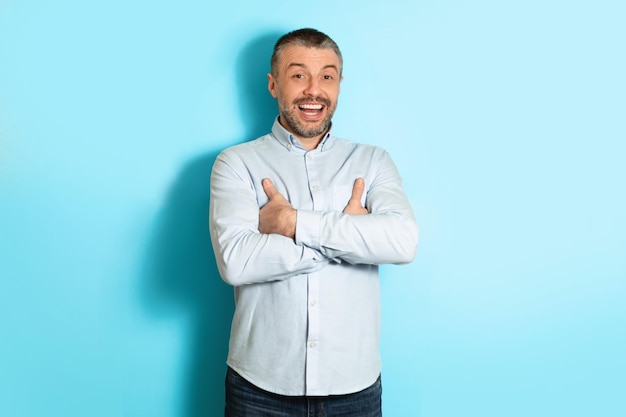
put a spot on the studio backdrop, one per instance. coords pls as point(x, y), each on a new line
point(506, 121)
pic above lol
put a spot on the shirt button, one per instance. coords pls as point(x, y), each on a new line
point(289, 146)
point(315, 187)
point(312, 345)
point(309, 156)
point(313, 303)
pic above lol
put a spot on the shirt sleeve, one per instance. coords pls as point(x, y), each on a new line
point(387, 235)
point(244, 255)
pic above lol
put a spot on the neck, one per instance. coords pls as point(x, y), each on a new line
point(310, 143)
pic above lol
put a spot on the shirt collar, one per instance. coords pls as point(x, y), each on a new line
point(291, 142)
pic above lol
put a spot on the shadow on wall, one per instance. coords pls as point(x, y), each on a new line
point(181, 272)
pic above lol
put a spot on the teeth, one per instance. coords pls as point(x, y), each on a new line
point(311, 106)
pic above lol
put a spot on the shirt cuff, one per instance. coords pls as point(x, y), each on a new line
point(308, 225)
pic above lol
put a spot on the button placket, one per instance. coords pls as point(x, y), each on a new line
point(313, 293)
point(313, 177)
point(313, 336)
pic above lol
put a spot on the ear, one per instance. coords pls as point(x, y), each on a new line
point(271, 84)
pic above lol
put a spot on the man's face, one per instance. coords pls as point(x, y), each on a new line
point(306, 87)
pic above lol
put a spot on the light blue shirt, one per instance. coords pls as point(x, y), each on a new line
point(307, 310)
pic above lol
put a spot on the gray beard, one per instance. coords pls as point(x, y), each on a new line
point(288, 117)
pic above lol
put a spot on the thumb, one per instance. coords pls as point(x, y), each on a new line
point(357, 191)
point(268, 187)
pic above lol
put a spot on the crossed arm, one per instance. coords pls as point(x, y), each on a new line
point(276, 242)
point(278, 216)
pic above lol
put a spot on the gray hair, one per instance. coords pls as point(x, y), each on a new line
point(310, 38)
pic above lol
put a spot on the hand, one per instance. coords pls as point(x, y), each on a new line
point(354, 204)
point(277, 216)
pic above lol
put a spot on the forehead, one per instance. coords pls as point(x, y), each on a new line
point(309, 58)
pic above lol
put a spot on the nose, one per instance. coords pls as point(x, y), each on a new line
point(313, 87)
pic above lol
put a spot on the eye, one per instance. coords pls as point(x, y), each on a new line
point(298, 76)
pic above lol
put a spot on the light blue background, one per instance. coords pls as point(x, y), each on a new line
point(505, 118)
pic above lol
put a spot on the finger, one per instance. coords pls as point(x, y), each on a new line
point(268, 187)
point(357, 190)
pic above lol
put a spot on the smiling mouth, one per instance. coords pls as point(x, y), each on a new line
point(311, 110)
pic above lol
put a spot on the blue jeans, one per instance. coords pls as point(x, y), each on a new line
point(243, 399)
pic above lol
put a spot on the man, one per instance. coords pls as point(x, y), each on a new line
point(300, 221)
